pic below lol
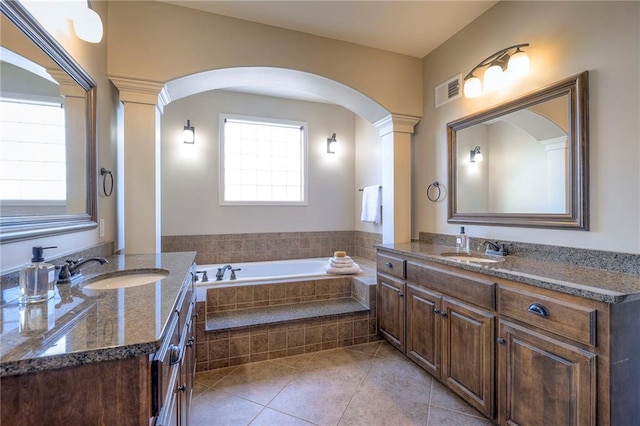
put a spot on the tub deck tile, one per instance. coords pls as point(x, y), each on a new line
point(231, 320)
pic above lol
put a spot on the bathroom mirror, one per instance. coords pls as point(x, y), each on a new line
point(525, 162)
point(47, 133)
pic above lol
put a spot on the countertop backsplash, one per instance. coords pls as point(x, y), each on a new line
point(626, 263)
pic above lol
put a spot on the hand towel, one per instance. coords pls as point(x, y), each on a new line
point(371, 204)
point(345, 259)
point(343, 271)
point(340, 264)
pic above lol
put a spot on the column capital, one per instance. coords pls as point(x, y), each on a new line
point(141, 91)
point(68, 86)
point(396, 123)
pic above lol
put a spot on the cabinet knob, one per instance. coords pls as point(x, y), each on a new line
point(389, 265)
point(191, 341)
point(436, 311)
point(538, 309)
point(182, 387)
point(174, 354)
point(400, 294)
point(443, 314)
point(500, 340)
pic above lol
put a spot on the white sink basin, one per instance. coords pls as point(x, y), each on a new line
point(461, 257)
point(125, 279)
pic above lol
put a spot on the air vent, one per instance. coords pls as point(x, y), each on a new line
point(448, 91)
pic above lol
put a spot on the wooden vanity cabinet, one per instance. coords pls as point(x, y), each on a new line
point(447, 336)
point(547, 360)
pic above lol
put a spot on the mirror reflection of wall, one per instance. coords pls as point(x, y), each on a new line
point(525, 167)
point(42, 132)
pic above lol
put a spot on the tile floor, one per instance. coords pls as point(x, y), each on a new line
point(369, 384)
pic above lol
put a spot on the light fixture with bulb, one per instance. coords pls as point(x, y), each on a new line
point(189, 133)
point(332, 144)
point(476, 155)
point(504, 65)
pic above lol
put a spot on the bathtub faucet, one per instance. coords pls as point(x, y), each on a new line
point(221, 271)
point(233, 273)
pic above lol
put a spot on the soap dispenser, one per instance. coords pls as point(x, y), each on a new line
point(37, 280)
point(462, 242)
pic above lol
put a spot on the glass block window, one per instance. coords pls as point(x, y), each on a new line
point(262, 161)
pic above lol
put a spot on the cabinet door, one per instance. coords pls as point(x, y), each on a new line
point(543, 381)
point(423, 328)
point(391, 310)
point(468, 353)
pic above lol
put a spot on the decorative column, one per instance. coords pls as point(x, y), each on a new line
point(75, 105)
point(395, 132)
point(143, 102)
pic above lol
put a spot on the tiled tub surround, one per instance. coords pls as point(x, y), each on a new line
point(273, 309)
point(83, 327)
point(256, 247)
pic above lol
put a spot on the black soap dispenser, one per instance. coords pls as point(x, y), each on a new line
point(37, 280)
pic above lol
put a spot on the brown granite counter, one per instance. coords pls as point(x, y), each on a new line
point(80, 326)
point(591, 283)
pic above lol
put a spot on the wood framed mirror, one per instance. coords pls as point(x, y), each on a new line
point(48, 124)
point(525, 162)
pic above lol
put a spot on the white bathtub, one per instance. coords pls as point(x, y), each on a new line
point(266, 271)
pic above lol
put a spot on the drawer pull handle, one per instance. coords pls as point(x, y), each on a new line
point(443, 314)
point(389, 265)
point(436, 311)
point(174, 354)
point(500, 340)
point(538, 309)
point(400, 294)
point(182, 387)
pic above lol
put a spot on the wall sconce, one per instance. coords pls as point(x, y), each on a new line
point(189, 133)
point(510, 62)
point(332, 144)
point(476, 155)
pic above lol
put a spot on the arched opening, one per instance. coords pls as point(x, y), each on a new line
point(279, 81)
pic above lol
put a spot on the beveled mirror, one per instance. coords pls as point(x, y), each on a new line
point(47, 133)
point(525, 162)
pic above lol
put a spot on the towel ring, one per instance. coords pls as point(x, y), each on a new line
point(435, 185)
point(104, 173)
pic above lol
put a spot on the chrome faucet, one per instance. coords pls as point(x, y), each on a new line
point(72, 268)
point(495, 248)
point(221, 271)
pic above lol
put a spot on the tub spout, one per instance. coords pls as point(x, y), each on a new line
point(221, 271)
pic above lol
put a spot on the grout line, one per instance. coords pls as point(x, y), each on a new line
point(430, 397)
point(364, 376)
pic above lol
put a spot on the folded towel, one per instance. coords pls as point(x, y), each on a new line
point(345, 259)
point(371, 204)
point(343, 271)
point(341, 264)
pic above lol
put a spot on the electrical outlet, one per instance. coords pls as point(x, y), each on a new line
point(101, 228)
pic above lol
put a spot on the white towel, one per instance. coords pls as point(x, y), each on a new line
point(344, 259)
point(343, 271)
point(371, 204)
point(340, 264)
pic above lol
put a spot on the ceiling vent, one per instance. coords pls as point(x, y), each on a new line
point(448, 91)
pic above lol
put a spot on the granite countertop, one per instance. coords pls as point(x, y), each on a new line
point(587, 282)
point(78, 326)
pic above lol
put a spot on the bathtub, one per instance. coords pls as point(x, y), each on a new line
point(276, 270)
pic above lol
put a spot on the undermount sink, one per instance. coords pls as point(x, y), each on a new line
point(125, 279)
point(462, 257)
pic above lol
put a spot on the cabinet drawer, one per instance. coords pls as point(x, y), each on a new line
point(564, 318)
point(392, 265)
point(473, 288)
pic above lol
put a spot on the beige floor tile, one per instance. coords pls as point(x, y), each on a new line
point(392, 392)
point(340, 362)
point(388, 351)
point(258, 382)
point(443, 417)
point(444, 398)
point(269, 417)
point(368, 348)
point(210, 378)
point(316, 397)
point(222, 409)
point(295, 361)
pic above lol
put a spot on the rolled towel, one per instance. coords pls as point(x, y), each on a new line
point(345, 259)
point(343, 271)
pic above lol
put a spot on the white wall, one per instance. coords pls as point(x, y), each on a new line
point(190, 173)
point(368, 168)
point(566, 38)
